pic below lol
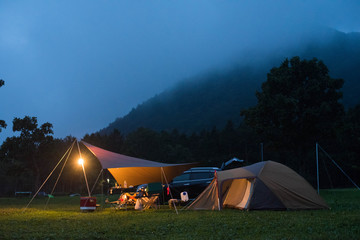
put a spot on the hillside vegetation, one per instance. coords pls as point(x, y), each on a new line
point(218, 96)
point(297, 104)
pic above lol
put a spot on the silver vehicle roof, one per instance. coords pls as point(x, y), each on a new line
point(201, 169)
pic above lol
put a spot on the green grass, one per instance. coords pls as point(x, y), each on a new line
point(63, 220)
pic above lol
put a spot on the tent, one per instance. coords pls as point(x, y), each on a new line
point(135, 171)
point(264, 185)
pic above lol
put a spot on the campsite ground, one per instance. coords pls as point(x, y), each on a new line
point(63, 220)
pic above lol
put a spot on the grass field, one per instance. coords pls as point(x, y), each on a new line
point(63, 220)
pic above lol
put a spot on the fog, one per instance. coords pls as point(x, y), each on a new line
point(81, 64)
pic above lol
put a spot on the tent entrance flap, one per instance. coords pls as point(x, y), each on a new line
point(238, 193)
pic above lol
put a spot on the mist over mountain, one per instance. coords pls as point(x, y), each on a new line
point(212, 99)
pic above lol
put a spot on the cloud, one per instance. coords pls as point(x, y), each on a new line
point(105, 57)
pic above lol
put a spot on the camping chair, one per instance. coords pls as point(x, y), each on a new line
point(152, 202)
point(151, 197)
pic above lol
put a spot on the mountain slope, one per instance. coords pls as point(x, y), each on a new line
point(213, 99)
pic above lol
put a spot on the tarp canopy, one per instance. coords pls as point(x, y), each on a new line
point(264, 185)
point(135, 171)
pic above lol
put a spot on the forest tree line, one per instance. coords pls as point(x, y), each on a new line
point(298, 106)
point(212, 98)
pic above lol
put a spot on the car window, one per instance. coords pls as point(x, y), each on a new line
point(200, 175)
point(182, 177)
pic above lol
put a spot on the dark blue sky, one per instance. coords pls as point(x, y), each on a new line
point(81, 64)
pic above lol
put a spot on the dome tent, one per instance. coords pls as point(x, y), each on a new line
point(264, 185)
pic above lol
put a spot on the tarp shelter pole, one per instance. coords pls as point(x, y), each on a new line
point(82, 165)
point(339, 168)
point(262, 151)
point(162, 182)
point(92, 189)
point(57, 180)
point(167, 184)
point(102, 188)
point(217, 188)
point(47, 178)
point(317, 167)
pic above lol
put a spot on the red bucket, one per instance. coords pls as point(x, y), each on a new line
point(88, 203)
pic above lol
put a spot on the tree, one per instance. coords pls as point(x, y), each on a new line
point(144, 143)
point(298, 105)
point(31, 147)
point(228, 141)
point(2, 122)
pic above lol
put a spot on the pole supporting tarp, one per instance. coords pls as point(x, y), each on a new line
point(217, 189)
point(167, 185)
point(97, 179)
point(48, 176)
point(57, 180)
point(83, 168)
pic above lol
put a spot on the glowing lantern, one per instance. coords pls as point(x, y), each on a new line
point(81, 161)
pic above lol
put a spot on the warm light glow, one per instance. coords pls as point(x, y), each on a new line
point(81, 161)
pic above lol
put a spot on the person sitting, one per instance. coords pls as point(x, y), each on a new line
point(141, 193)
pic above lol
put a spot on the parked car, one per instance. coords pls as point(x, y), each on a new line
point(193, 181)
